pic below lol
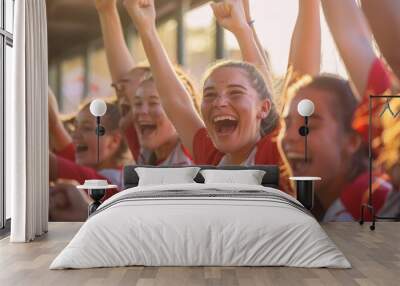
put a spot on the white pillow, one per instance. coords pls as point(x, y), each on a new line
point(163, 176)
point(248, 177)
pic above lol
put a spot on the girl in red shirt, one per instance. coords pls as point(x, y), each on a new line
point(336, 150)
point(151, 137)
point(75, 158)
point(337, 146)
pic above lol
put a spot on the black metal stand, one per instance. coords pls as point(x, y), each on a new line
point(303, 131)
point(96, 195)
point(369, 206)
point(100, 131)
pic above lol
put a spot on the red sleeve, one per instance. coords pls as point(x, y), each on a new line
point(67, 169)
point(204, 151)
point(267, 150)
point(378, 83)
point(132, 141)
point(356, 194)
point(70, 170)
point(68, 152)
point(268, 154)
point(378, 79)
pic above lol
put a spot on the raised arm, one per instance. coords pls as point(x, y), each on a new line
point(175, 99)
point(58, 135)
point(250, 21)
point(231, 15)
point(353, 39)
point(305, 47)
point(119, 59)
point(384, 19)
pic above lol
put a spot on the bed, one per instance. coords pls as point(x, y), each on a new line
point(201, 224)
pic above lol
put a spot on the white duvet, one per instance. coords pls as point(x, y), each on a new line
point(185, 230)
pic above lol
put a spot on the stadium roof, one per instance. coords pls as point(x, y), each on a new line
point(73, 24)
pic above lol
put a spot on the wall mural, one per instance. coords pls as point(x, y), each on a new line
point(230, 112)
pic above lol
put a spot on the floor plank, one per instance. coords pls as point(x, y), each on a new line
point(375, 257)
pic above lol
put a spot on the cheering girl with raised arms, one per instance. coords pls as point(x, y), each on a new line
point(151, 137)
point(238, 115)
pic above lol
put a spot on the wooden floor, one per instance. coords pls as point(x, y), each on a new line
point(375, 257)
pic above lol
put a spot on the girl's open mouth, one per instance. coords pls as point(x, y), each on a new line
point(225, 125)
point(147, 129)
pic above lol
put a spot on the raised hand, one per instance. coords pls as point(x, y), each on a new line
point(105, 5)
point(142, 12)
point(230, 14)
point(58, 135)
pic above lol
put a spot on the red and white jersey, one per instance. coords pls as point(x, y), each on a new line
point(250, 160)
point(265, 152)
point(348, 206)
point(178, 157)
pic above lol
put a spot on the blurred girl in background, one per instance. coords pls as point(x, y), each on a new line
point(74, 158)
point(337, 145)
point(150, 135)
point(336, 150)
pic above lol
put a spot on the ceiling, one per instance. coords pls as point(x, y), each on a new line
point(73, 24)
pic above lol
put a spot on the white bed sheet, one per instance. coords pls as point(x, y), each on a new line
point(205, 231)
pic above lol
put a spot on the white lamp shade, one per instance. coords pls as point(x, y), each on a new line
point(305, 107)
point(98, 107)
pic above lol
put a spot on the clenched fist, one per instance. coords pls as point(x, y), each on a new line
point(230, 14)
point(142, 12)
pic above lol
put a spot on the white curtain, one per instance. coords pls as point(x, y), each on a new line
point(27, 124)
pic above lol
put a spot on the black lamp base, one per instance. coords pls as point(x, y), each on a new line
point(305, 193)
point(96, 195)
